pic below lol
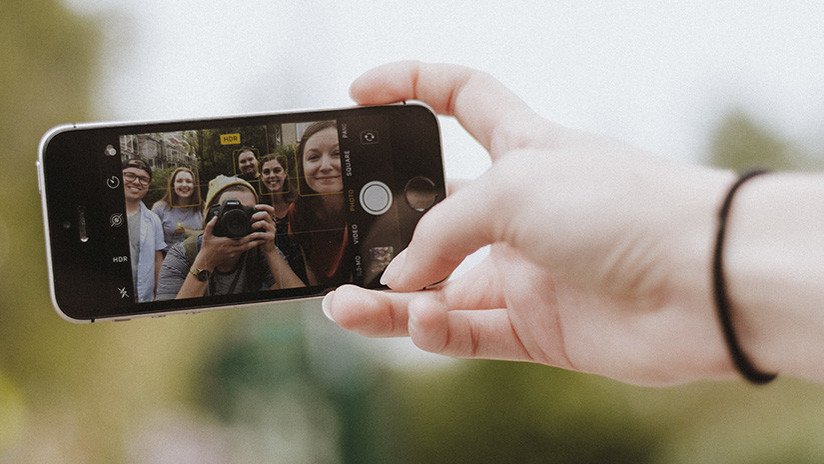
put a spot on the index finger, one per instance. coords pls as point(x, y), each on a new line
point(210, 227)
point(266, 208)
point(480, 102)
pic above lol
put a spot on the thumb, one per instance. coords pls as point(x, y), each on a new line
point(452, 230)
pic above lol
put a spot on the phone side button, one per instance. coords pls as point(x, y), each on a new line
point(39, 178)
point(123, 320)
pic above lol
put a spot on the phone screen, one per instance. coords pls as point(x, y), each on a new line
point(344, 189)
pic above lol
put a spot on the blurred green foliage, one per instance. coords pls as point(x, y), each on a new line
point(286, 385)
point(740, 143)
point(69, 393)
point(491, 412)
point(48, 58)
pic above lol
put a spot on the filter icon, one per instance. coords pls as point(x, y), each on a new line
point(116, 220)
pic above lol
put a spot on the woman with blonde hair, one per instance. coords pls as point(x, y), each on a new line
point(179, 209)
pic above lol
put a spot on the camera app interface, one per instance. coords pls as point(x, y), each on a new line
point(250, 209)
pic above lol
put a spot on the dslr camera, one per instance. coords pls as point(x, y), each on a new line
point(234, 220)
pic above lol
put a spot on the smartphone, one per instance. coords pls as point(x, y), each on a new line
point(155, 218)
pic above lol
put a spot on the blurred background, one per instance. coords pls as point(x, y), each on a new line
point(719, 82)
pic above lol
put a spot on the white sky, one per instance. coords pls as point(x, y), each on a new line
point(655, 74)
point(658, 74)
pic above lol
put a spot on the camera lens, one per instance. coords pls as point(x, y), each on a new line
point(236, 223)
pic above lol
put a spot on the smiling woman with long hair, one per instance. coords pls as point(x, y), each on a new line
point(276, 186)
point(277, 189)
point(179, 209)
point(317, 221)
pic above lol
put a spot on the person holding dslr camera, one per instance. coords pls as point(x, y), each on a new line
point(236, 252)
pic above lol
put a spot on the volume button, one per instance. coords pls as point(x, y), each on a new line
point(39, 178)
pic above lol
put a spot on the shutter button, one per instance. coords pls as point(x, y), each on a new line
point(376, 198)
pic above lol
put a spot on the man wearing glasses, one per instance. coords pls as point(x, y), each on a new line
point(145, 229)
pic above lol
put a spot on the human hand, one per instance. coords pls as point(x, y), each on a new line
point(217, 251)
point(264, 228)
point(600, 253)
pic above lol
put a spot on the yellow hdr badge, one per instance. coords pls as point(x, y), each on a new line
point(229, 139)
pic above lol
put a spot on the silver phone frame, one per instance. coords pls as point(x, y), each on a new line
point(41, 186)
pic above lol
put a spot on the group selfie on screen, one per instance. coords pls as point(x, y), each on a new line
point(274, 221)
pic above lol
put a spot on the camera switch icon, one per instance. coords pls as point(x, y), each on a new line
point(369, 137)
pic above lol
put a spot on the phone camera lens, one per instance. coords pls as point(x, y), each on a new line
point(421, 193)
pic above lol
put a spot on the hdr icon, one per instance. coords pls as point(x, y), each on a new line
point(120, 259)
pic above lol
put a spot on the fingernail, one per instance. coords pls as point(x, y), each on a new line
point(326, 305)
point(394, 270)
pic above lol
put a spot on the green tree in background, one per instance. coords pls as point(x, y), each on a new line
point(47, 57)
point(493, 412)
point(739, 143)
point(68, 393)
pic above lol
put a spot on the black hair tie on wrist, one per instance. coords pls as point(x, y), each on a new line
point(742, 362)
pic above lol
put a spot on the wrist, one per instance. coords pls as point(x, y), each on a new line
point(201, 275)
point(675, 233)
point(689, 242)
point(202, 262)
point(775, 251)
point(741, 360)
